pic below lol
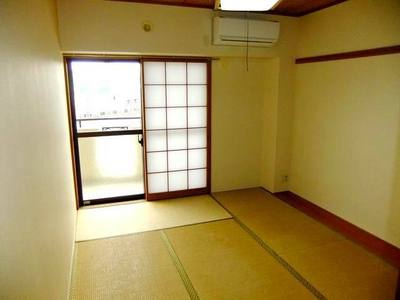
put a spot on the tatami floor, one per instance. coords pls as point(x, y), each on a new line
point(102, 221)
point(243, 244)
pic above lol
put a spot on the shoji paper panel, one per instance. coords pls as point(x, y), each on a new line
point(157, 162)
point(197, 95)
point(197, 117)
point(197, 178)
point(197, 138)
point(197, 73)
point(157, 183)
point(154, 73)
point(155, 95)
point(175, 100)
point(156, 140)
point(155, 118)
point(177, 139)
point(176, 95)
point(177, 181)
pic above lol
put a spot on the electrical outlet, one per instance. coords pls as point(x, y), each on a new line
point(285, 178)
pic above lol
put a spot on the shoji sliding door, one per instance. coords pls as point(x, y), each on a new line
point(176, 97)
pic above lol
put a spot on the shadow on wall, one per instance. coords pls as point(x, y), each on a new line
point(393, 225)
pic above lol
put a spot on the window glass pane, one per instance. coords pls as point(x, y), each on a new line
point(156, 140)
point(176, 73)
point(197, 73)
point(157, 183)
point(177, 160)
point(197, 158)
point(197, 117)
point(197, 179)
point(155, 118)
point(156, 162)
point(177, 139)
point(176, 117)
point(176, 95)
point(197, 95)
point(177, 181)
point(111, 166)
point(154, 73)
point(155, 95)
point(197, 138)
point(106, 95)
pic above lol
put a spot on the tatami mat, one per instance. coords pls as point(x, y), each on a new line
point(285, 228)
point(343, 270)
point(336, 266)
point(130, 267)
point(115, 220)
point(224, 262)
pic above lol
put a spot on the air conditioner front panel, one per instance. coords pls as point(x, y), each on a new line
point(240, 32)
point(266, 30)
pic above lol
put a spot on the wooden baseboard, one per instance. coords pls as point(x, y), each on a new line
point(387, 251)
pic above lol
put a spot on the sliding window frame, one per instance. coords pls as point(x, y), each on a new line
point(74, 135)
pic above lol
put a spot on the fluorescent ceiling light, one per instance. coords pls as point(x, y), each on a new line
point(248, 5)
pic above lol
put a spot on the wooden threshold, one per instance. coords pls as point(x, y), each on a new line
point(348, 55)
point(177, 194)
point(385, 250)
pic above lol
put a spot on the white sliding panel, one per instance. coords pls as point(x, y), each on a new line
point(176, 99)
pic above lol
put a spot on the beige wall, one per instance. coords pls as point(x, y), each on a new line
point(269, 126)
point(346, 145)
point(37, 214)
point(237, 121)
point(104, 26)
point(349, 26)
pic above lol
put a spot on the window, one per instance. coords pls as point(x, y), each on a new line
point(114, 101)
point(106, 112)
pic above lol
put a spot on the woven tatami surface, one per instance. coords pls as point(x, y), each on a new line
point(115, 220)
point(337, 267)
point(269, 250)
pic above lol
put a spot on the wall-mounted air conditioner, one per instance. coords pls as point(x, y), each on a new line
point(239, 32)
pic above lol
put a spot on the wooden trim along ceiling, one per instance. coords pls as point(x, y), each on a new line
point(129, 57)
point(387, 251)
point(208, 4)
point(301, 8)
point(348, 55)
point(289, 8)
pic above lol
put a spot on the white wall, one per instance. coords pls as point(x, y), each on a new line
point(37, 208)
point(346, 145)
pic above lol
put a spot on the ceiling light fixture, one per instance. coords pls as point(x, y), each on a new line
point(246, 5)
